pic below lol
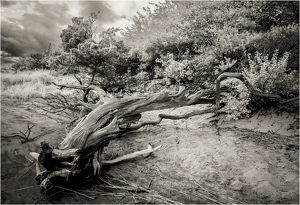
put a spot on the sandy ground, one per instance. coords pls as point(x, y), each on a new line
point(253, 160)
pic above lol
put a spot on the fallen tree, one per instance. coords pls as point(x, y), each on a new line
point(80, 152)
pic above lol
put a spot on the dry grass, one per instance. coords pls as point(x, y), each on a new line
point(31, 84)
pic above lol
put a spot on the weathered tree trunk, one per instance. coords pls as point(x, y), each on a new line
point(80, 153)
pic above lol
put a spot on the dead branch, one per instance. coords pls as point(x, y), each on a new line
point(87, 107)
point(290, 100)
point(172, 117)
point(27, 134)
point(250, 87)
point(190, 114)
point(57, 104)
point(149, 150)
point(98, 90)
point(245, 81)
point(130, 186)
point(142, 124)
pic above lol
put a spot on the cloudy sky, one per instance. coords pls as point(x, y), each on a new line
point(29, 26)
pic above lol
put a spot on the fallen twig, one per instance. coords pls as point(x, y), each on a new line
point(76, 192)
point(25, 135)
point(214, 200)
point(136, 188)
point(63, 188)
point(25, 171)
point(38, 200)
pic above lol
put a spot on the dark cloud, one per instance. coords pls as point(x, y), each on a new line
point(11, 39)
point(34, 31)
point(7, 3)
point(37, 24)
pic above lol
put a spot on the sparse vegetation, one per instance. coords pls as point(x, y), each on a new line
point(28, 85)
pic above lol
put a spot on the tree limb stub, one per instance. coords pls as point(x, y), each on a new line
point(98, 90)
point(290, 100)
point(149, 150)
point(187, 115)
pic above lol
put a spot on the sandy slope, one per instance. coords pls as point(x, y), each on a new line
point(239, 163)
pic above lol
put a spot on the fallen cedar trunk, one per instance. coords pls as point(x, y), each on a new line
point(80, 153)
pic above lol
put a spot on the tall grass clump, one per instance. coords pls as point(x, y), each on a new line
point(28, 84)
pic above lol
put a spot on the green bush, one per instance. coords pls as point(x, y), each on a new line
point(179, 70)
point(285, 39)
point(267, 75)
point(236, 101)
point(270, 75)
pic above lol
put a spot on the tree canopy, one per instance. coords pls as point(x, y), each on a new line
point(78, 32)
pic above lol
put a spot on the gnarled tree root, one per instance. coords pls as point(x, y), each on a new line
point(52, 175)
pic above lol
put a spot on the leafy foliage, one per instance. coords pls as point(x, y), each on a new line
point(178, 70)
point(269, 75)
point(100, 58)
point(283, 38)
point(36, 60)
point(276, 13)
point(236, 101)
point(80, 31)
point(189, 43)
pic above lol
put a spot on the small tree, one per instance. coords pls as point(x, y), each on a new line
point(36, 60)
point(22, 64)
point(80, 31)
point(100, 57)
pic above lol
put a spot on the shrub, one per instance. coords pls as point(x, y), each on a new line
point(236, 101)
point(270, 76)
point(179, 70)
point(285, 39)
point(224, 65)
point(267, 75)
